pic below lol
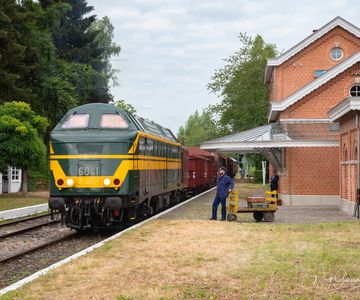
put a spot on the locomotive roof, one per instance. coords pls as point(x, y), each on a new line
point(138, 122)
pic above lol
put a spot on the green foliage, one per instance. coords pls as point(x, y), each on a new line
point(54, 56)
point(258, 176)
point(240, 86)
point(15, 60)
point(197, 129)
point(20, 143)
point(38, 178)
point(125, 106)
point(82, 39)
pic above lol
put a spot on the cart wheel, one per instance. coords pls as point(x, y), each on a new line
point(258, 215)
point(269, 216)
point(231, 217)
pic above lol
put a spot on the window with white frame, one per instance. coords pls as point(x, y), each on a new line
point(355, 90)
point(336, 53)
point(15, 174)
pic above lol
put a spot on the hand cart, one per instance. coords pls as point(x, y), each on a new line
point(263, 208)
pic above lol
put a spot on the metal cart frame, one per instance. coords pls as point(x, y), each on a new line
point(265, 211)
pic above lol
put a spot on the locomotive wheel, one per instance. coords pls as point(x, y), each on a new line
point(269, 216)
point(231, 217)
point(258, 215)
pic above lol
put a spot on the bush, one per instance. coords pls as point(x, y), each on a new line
point(38, 180)
point(257, 176)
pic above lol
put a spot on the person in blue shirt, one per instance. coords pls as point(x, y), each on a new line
point(225, 184)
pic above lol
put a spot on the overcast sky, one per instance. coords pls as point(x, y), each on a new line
point(171, 48)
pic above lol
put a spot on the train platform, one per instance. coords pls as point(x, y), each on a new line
point(183, 255)
point(23, 211)
point(200, 209)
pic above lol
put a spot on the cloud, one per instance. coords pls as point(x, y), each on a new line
point(170, 49)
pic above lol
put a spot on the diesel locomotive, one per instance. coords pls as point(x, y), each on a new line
point(109, 167)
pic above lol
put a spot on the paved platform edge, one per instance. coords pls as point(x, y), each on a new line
point(42, 272)
point(23, 211)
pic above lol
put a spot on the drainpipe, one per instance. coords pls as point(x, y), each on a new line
point(357, 206)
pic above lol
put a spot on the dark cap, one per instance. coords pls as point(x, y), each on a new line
point(223, 168)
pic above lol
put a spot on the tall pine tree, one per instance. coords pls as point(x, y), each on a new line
point(14, 65)
point(76, 35)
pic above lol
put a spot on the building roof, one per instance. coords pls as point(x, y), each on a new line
point(347, 105)
point(276, 107)
point(290, 133)
point(338, 21)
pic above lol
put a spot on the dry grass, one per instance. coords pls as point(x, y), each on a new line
point(182, 259)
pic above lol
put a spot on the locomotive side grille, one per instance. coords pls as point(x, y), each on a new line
point(89, 148)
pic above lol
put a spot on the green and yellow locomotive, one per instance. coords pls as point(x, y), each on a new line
point(109, 166)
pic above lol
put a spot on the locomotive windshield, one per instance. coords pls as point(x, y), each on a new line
point(76, 121)
point(113, 121)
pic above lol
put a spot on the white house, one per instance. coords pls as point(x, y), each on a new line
point(10, 182)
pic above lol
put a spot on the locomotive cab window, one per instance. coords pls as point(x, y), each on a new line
point(113, 121)
point(76, 121)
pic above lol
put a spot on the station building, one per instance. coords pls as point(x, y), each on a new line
point(312, 134)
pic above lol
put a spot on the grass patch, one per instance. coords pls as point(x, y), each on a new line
point(7, 203)
point(182, 259)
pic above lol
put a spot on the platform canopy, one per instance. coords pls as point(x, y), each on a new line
point(282, 134)
point(271, 138)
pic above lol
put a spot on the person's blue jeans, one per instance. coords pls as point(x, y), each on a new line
point(215, 205)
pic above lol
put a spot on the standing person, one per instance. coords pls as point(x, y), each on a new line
point(225, 184)
point(274, 183)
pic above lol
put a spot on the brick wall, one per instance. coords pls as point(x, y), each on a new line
point(299, 69)
point(311, 171)
point(318, 103)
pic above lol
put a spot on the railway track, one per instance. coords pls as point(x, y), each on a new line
point(32, 249)
point(21, 237)
point(9, 233)
point(20, 226)
point(22, 220)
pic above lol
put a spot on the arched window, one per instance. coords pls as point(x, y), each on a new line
point(355, 90)
point(345, 154)
point(355, 150)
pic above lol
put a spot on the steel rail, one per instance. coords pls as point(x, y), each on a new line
point(23, 220)
point(43, 245)
point(28, 228)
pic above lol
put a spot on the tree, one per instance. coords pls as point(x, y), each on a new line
point(72, 37)
point(240, 86)
point(21, 143)
point(81, 38)
point(197, 129)
point(125, 106)
point(29, 66)
point(14, 65)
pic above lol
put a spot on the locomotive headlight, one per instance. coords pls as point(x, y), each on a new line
point(107, 181)
point(70, 182)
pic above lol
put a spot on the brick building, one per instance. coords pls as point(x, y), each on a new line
point(312, 132)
